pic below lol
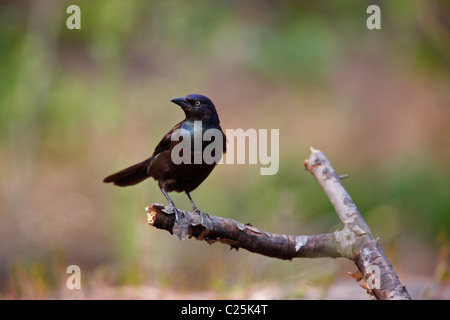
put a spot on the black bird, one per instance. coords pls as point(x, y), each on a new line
point(183, 177)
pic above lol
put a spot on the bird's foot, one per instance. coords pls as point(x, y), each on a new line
point(196, 210)
point(181, 225)
point(185, 220)
point(178, 214)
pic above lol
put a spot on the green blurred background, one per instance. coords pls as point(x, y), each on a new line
point(77, 105)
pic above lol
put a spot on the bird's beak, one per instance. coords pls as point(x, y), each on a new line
point(182, 102)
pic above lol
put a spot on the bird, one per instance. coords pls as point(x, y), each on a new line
point(174, 176)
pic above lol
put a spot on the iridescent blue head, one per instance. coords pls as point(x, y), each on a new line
point(198, 108)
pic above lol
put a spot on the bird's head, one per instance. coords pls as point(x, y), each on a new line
point(198, 108)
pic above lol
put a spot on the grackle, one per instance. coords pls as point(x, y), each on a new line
point(182, 177)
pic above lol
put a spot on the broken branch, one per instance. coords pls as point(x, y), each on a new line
point(355, 241)
point(238, 235)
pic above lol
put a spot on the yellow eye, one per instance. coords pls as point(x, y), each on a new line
point(197, 103)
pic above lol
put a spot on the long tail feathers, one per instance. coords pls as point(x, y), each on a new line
point(131, 175)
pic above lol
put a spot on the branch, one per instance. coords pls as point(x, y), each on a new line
point(362, 248)
point(354, 241)
point(202, 226)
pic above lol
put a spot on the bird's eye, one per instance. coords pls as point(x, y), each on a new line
point(197, 103)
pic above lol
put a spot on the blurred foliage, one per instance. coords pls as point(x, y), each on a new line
point(76, 105)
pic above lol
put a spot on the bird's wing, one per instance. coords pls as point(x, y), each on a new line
point(166, 141)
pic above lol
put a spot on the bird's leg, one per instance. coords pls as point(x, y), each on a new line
point(172, 205)
point(181, 225)
point(196, 210)
point(194, 207)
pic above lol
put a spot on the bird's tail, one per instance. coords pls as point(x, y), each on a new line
point(131, 175)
